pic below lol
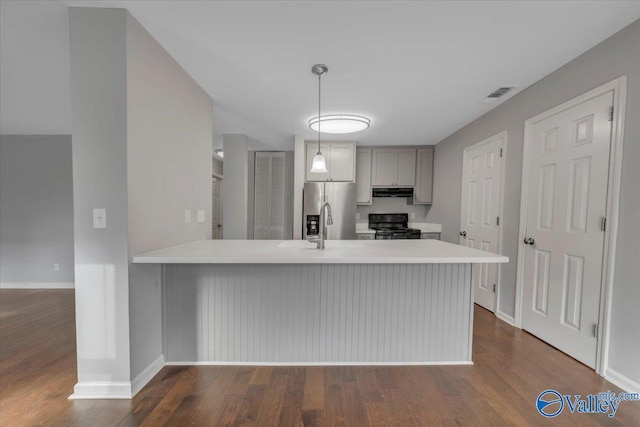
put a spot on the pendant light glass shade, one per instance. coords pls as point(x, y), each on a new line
point(319, 164)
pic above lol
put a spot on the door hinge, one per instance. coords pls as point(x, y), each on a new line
point(595, 330)
point(497, 220)
point(603, 223)
point(501, 152)
point(611, 113)
point(494, 288)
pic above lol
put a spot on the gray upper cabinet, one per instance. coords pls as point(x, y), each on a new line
point(363, 176)
point(423, 193)
point(394, 167)
point(340, 158)
point(406, 168)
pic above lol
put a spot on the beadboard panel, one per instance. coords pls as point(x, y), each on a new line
point(321, 313)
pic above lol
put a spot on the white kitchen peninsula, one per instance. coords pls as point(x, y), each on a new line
point(285, 302)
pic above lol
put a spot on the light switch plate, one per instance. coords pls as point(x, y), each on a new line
point(200, 216)
point(357, 215)
point(187, 216)
point(413, 215)
point(99, 218)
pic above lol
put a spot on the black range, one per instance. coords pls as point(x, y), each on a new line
point(393, 226)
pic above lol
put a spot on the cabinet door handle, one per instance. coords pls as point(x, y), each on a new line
point(463, 233)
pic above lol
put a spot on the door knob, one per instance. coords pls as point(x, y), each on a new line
point(463, 233)
point(529, 241)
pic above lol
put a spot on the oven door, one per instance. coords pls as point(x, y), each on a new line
point(384, 235)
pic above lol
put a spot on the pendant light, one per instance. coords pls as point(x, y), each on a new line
point(319, 164)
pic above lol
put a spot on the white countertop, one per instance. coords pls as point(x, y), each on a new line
point(302, 252)
point(425, 227)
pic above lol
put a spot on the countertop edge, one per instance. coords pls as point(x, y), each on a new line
point(241, 260)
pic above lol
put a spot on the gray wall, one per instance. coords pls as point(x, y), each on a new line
point(169, 133)
point(616, 56)
point(235, 190)
point(392, 205)
point(99, 134)
point(36, 209)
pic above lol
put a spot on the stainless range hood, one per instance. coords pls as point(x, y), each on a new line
point(393, 192)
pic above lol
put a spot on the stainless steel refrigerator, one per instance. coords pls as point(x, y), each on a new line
point(342, 199)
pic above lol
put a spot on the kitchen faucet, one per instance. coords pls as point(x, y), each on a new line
point(322, 230)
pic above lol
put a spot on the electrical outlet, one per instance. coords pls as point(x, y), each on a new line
point(56, 266)
point(100, 218)
point(187, 216)
point(200, 215)
point(413, 215)
point(357, 215)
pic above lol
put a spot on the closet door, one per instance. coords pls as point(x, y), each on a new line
point(269, 196)
point(276, 197)
point(262, 207)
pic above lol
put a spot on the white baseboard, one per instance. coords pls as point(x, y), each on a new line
point(625, 383)
point(146, 375)
point(102, 390)
point(37, 285)
point(506, 318)
point(214, 363)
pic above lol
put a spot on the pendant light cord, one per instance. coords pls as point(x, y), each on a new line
point(319, 120)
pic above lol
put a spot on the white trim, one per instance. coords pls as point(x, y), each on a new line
point(37, 285)
point(146, 375)
point(504, 136)
point(101, 390)
point(625, 383)
point(506, 318)
point(234, 363)
point(619, 88)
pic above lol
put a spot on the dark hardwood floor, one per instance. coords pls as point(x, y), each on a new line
point(37, 374)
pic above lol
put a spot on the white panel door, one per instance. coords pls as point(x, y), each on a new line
point(480, 209)
point(567, 190)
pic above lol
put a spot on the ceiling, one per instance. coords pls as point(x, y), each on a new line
point(418, 69)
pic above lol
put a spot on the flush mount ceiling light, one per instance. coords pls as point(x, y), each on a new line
point(319, 164)
point(339, 123)
point(219, 153)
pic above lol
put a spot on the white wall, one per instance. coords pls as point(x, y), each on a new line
point(616, 56)
point(142, 134)
point(169, 134)
point(36, 211)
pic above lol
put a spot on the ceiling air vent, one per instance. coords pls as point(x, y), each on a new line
point(493, 96)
